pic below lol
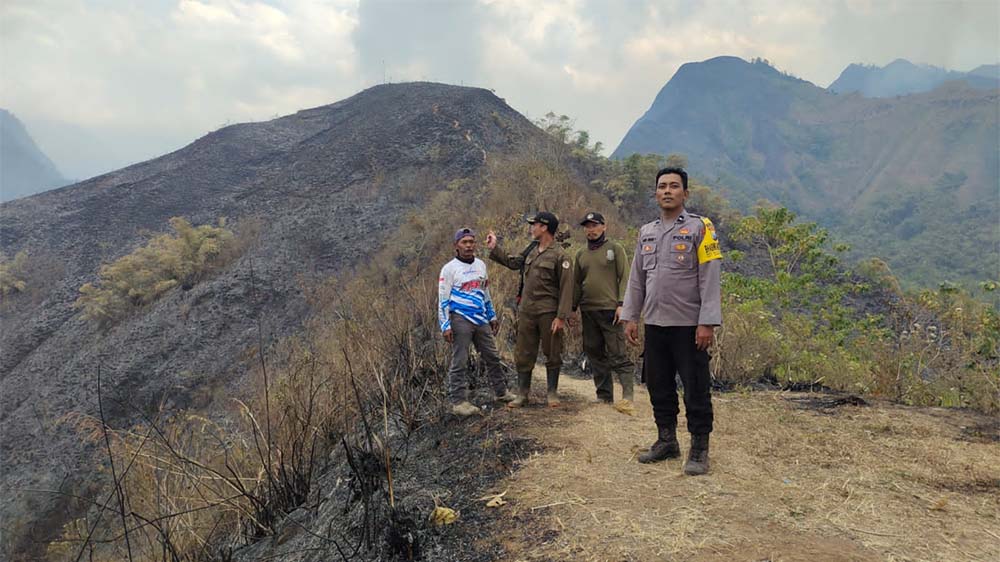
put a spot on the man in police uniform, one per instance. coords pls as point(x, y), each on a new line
point(545, 306)
point(674, 286)
point(600, 272)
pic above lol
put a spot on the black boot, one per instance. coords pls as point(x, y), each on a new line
point(697, 462)
point(552, 378)
point(666, 446)
point(523, 390)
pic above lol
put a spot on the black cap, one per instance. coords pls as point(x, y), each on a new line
point(593, 216)
point(546, 218)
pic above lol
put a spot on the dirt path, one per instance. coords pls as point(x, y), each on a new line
point(791, 480)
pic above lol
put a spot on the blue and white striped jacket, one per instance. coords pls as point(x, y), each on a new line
point(463, 288)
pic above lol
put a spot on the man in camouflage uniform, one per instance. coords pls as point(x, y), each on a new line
point(545, 305)
point(600, 273)
point(674, 285)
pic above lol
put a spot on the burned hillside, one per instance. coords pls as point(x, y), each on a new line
point(313, 195)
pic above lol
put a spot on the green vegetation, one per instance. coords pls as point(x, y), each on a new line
point(560, 127)
point(12, 274)
point(928, 235)
point(167, 261)
point(796, 325)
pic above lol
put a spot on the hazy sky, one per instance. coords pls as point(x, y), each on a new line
point(103, 83)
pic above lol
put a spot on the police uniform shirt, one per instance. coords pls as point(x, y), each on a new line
point(675, 276)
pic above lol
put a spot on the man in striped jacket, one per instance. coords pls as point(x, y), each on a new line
point(466, 315)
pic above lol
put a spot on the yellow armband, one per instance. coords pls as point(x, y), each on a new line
point(709, 250)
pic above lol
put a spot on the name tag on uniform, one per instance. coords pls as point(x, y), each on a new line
point(611, 255)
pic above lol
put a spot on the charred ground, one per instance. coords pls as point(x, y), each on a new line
point(315, 193)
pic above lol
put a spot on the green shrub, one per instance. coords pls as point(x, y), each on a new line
point(12, 274)
point(137, 279)
point(878, 273)
point(813, 354)
point(796, 324)
point(747, 344)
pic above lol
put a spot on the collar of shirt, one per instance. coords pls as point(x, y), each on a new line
point(681, 218)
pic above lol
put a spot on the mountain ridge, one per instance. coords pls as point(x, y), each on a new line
point(857, 165)
point(24, 168)
point(902, 77)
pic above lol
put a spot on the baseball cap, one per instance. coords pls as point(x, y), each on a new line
point(592, 216)
point(546, 218)
point(463, 232)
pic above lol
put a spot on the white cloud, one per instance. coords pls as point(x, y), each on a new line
point(177, 70)
point(171, 71)
point(265, 25)
point(686, 40)
point(788, 14)
point(193, 11)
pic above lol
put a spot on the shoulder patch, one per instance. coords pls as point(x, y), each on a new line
point(709, 250)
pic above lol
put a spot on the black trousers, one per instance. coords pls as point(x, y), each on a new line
point(670, 350)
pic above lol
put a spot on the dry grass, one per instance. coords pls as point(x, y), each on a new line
point(197, 486)
point(788, 482)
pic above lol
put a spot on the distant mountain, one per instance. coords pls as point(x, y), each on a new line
point(24, 168)
point(901, 77)
point(987, 70)
point(898, 178)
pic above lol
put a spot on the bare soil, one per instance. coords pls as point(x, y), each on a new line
point(795, 476)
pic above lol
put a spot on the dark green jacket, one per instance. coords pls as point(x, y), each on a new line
point(600, 277)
